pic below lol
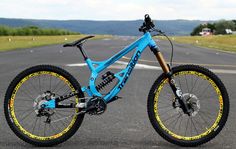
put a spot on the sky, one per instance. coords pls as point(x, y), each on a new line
point(118, 9)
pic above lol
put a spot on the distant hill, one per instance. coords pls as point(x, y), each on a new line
point(171, 27)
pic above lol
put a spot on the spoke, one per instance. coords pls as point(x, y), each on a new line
point(186, 127)
point(39, 126)
point(23, 110)
point(204, 91)
point(44, 132)
point(50, 80)
point(194, 126)
point(173, 123)
point(56, 125)
point(27, 95)
point(179, 84)
point(24, 117)
point(64, 115)
point(180, 124)
point(51, 126)
point(191, 134)
point(165, 111)
point(203, 120)
point(34, 125)
point(199, 124)
point(58, 83)
point(191, 80)
point(33, 87)
point(40, 84)
point(64, 85)
point(170, 117)
point(180, 116)
point(26, 99)
point(60, 121)
point(194, 84)
point(164, 107)
point(66, 91)
point(186, 82)
point(206, 113)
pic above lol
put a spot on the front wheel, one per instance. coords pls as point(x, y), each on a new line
point(206, 97)
point(23, 106)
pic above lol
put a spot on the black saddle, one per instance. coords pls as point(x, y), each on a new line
point(78, 42)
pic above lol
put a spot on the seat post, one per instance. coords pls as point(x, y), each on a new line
point(82, 51)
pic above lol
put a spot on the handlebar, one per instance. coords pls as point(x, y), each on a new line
point(147, 24)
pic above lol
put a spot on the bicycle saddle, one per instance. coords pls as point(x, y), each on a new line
point(78, 42)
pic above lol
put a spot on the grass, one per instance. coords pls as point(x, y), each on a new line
point(19, 42)
point(220, 42)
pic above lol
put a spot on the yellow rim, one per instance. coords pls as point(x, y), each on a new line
point(215, 124)
point(12, 111)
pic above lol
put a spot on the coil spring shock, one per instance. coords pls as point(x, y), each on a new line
point(107, 78)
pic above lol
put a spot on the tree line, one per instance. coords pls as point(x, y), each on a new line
point(32, 30)
point(217, 28)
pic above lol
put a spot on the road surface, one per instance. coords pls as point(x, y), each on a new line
point(125, 124)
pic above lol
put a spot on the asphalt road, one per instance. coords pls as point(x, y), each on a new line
point(125, 124)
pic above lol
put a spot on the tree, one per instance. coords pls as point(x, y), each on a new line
point(199, 28)
point(33, 30)
point(222, 25)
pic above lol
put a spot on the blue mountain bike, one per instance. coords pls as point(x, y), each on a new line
point(187, 105)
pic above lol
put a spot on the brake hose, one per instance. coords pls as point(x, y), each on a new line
point(172, 47)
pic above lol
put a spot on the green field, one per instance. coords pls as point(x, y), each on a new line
point(19, 42)
point(219, 42)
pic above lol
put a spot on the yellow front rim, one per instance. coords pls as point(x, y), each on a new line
point(209, 130)
point(12, 109)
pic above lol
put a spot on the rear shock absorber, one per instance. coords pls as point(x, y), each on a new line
point(107, 78)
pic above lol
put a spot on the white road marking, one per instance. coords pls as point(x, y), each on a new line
point(224, 71)
point(122, 65)
point(183, 63)
point(77, 65)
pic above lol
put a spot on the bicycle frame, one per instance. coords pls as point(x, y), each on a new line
point(123, 75)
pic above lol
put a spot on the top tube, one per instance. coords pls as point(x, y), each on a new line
point(144, 41)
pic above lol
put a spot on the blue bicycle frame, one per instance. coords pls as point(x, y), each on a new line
point(123, 75)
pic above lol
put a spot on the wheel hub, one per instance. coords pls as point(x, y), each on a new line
point(40, 104)
point(193, 103)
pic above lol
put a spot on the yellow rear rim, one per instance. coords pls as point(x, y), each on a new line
point(12, 109)
point(209, 130)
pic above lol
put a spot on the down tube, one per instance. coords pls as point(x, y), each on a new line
point(127, 71)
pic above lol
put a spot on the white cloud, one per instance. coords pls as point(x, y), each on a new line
point(118, 9)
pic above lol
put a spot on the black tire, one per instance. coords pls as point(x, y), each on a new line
point(168, 135)
point(77, 120)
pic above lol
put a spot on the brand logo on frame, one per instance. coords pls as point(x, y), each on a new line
point(130, 68)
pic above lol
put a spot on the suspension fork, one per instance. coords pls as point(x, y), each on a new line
point(167, 70)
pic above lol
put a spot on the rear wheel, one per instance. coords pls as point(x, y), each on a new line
point(27, 92)
point(205, 95)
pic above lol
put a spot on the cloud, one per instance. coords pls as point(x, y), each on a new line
point(118, 10)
